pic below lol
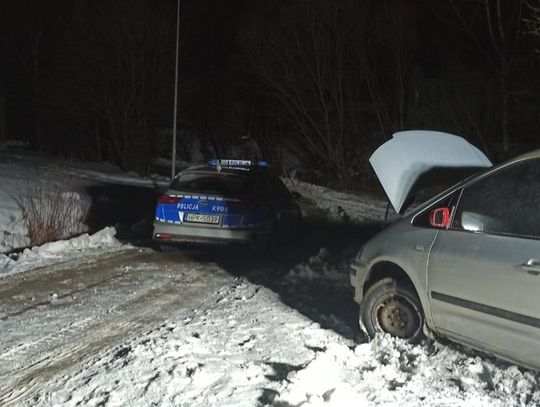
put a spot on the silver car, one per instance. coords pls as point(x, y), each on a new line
point(466, 264)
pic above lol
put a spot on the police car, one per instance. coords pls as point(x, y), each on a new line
point(226, 201)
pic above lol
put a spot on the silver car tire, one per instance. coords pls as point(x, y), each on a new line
point(392, 307)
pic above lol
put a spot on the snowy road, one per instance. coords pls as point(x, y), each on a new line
point(139, 327)
point(93, 322)
point(53, 318)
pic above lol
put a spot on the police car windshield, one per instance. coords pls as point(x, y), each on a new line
point(217, 183)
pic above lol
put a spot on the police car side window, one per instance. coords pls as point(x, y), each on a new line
point(505, 202)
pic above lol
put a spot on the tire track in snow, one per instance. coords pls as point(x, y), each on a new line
point(180, 284)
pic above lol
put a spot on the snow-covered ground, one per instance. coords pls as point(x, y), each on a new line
point(24, 172)
point(244, 347)
point(340, 205)
point(61, 251)
point(242, 343)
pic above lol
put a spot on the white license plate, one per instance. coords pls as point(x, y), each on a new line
point(197, 218)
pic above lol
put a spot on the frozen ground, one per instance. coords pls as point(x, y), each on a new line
point(104, 324)
point(61, 251)
point(168, 330)
point(23, 171)
point(339, 205)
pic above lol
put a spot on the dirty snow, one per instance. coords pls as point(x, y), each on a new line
point(246, 348)
point(322, 266)
point(243, 346)
point(24, 172)
point(85, 245)
point(342, 206)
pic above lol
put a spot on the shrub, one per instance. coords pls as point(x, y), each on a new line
point(49, 211)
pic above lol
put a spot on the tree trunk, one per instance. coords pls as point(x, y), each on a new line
point(99, 155)
point(504, 111)
point(3, 135)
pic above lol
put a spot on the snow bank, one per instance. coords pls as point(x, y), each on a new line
point(322, 266)
point(22, 171)
point(31, 182)
point(340, 206)
point(244, 347)
point(389, 371)
point(105, 238)
point(13, 232)
point(62, 250)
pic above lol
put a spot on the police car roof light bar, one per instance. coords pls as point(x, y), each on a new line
point(237, 164)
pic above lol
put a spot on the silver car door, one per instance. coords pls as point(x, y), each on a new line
point(484, 271)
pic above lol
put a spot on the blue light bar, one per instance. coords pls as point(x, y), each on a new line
point(237, 164)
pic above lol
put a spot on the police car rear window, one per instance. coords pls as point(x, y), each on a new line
point(217, 183)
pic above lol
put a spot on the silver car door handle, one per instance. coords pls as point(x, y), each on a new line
point(532, 266)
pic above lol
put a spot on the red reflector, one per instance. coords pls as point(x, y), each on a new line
point(166, 199)
point(163, 235)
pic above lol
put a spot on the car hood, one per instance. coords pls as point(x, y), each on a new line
point(409, 156)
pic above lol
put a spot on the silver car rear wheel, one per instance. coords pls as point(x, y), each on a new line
point(394, 308)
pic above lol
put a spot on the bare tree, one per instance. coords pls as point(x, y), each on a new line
point(500, 22)
point(382, 39)
point(111, 61)
point(532, 22)
point(3, 115)
point(26, 24)
point(334, 67)
point(302, 62)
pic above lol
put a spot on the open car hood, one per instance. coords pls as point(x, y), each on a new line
point(409, 156)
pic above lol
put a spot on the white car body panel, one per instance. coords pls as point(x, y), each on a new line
point(400, 161)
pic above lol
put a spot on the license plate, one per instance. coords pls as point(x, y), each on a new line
point(198, 218)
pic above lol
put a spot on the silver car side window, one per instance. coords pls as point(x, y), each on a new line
point(505, 202)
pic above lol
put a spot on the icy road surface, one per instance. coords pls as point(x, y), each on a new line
point(140, 328)
point(93, 322)
point(53, 318)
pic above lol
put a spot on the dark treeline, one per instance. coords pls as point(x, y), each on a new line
point(324, 81)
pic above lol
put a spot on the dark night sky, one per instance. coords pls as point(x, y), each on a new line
point(94, 80)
